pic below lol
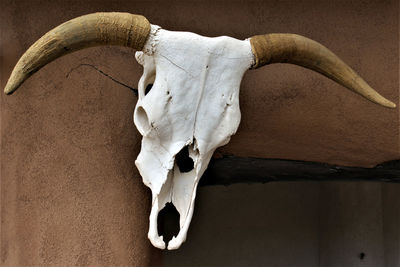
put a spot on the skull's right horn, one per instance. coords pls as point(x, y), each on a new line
point(299, 50)
point(95, 29)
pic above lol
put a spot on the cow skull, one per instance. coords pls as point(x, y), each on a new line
point(188, 95)
point(191, 109)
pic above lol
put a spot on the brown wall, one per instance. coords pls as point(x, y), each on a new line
point(70, 192)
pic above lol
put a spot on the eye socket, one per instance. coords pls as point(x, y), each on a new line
point(148, 88)
point(141, 120)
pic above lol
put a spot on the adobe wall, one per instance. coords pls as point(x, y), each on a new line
point(70, 193)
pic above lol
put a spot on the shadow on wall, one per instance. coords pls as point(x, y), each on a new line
point(293, 224)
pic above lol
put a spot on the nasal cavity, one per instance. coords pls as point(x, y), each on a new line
point(168, 222)
point(184, 162)
point(148, 88)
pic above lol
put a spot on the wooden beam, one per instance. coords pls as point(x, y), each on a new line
point(232, 170)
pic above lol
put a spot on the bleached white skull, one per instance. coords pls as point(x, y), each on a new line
point(191, 109)
point(188, 95)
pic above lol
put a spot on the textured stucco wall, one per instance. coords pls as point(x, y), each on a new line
point(70, 193)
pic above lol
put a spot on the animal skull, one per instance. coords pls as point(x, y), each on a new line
point(188, 95)
point(191, 109)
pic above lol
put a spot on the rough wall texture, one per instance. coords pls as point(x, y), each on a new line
point(292, 113)
point(70, 193)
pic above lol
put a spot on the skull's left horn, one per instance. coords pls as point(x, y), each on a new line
point(122, 29)
point(299, 50)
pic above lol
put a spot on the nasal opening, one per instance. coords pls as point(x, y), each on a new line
point(184, 161)
point(168, 222)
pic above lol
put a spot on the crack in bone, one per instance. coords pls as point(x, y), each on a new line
point(173, 63)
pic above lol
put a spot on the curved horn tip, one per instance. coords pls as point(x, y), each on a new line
point(389, 104)
point(15, 81)
point(7, 92)
point(10, 88)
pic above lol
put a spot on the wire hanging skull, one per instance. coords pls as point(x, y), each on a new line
point(188, 94)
